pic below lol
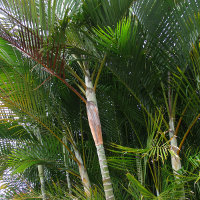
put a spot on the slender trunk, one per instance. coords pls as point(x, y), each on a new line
point(65, 163)
point(41, 167)
point(82, 170)
point(175, 159)
point(42, 181)
point(95, 127)
point(83, 173)
point(68, 182)
point(157, 193)
point(105, 172)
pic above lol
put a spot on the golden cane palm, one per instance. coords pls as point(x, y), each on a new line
point(168, 33)
point(152, 39)
point(42, 31)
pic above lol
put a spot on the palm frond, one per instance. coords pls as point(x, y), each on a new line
point(173, 25)
point(35, 42)
point(105, 13)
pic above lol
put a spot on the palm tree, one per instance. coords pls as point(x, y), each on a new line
point(25, 100)
point(34, 36)
point(166, 45)
point(138, 52)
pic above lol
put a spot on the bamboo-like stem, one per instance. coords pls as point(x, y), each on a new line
point(175, 159)
point(95, 127)
point(82, 169)
point(83, 173)
point(42, 181)
point(41, 167)
point(105, 173)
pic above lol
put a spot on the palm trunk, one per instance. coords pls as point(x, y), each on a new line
point(82, 170)
point(83, 173)
point(42, 181)
point(175, 159)
point(41, 167)
point(95, 127)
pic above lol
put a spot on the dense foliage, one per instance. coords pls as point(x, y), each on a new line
point(78, 76)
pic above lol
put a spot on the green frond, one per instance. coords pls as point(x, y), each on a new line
point(169, 25)
point(105, 13)
point(48, 154)
point(136, 187)
point(122, 40)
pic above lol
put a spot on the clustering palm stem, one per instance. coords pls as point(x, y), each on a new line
point(42, 181)
point(95, 127)
point(175, 158)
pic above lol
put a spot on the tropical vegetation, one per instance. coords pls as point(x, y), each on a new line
point(99, 99)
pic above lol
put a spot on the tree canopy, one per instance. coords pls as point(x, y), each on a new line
point(99, 99)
